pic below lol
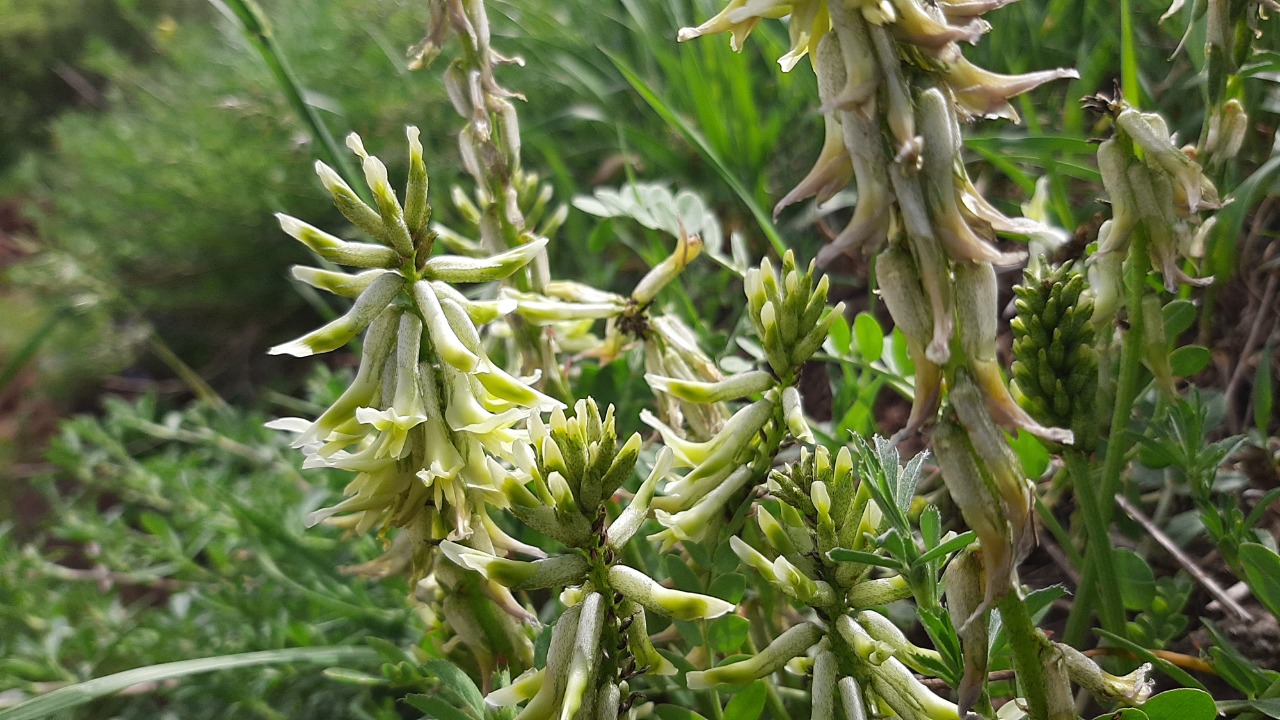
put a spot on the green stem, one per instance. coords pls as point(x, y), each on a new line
point(1025, 641)
point(1127, 382)
point(255, 27)
point(1127, 387)
point(1098, 547)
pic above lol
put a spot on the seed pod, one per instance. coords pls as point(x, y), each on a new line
point(978, 505)
point(964, 592)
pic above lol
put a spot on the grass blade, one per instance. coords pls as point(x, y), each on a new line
point(76, 695)
point(668, 115)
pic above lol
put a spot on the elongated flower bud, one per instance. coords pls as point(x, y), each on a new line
point(585, 655)
point(851, 699)
point(732, 388)
point(516, 575)
point(457, 269)
point(644, 591)
point(823, 688)
point(339, 332)
point(771, 659)
point(353, 254)
point(350, 204)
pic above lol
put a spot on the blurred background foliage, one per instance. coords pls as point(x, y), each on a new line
point(146, 146)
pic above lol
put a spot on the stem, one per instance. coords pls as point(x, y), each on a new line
point(1127, 382)
point(1127, 387)
point(1098, 547)
point(1025, 641)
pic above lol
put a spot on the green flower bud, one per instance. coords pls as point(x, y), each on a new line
point(1056, 388)
point(851, 699)
point(339, 332)
point(517, 575)
point(354, 254)
point(417, 211)
point(395, 231)
point(350, 204)
point(458, 269)
point(771, 659)
point(823, 689)
point(644, 591)
point(338, 283)
point(732, 388)
point(881, 591)
point(630, 519)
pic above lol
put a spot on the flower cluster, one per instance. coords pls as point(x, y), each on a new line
point(427, 423)
point(1155, 188)
point(857, 658)
point(894, 88)
point(568, 471)
point(791, 318)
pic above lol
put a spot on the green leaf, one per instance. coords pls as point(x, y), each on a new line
point(1124, 714)
point(1269, 707)
point(866, 558)
point(676, 712)
point(869, 335)
point(1262, 396)
point(1189, 360)
point(729, 587)
point(435, 708)
point(684, 578)
point(1262, 572)
point(1181, 704)
point(674, 120)
point(1031, 453)
point(458, 683)
point(1179, 315)
point(841, 337)
point(79, 694)
point(956, 543)
point(726, 634)
point(1137, 581)
point(748, 704)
